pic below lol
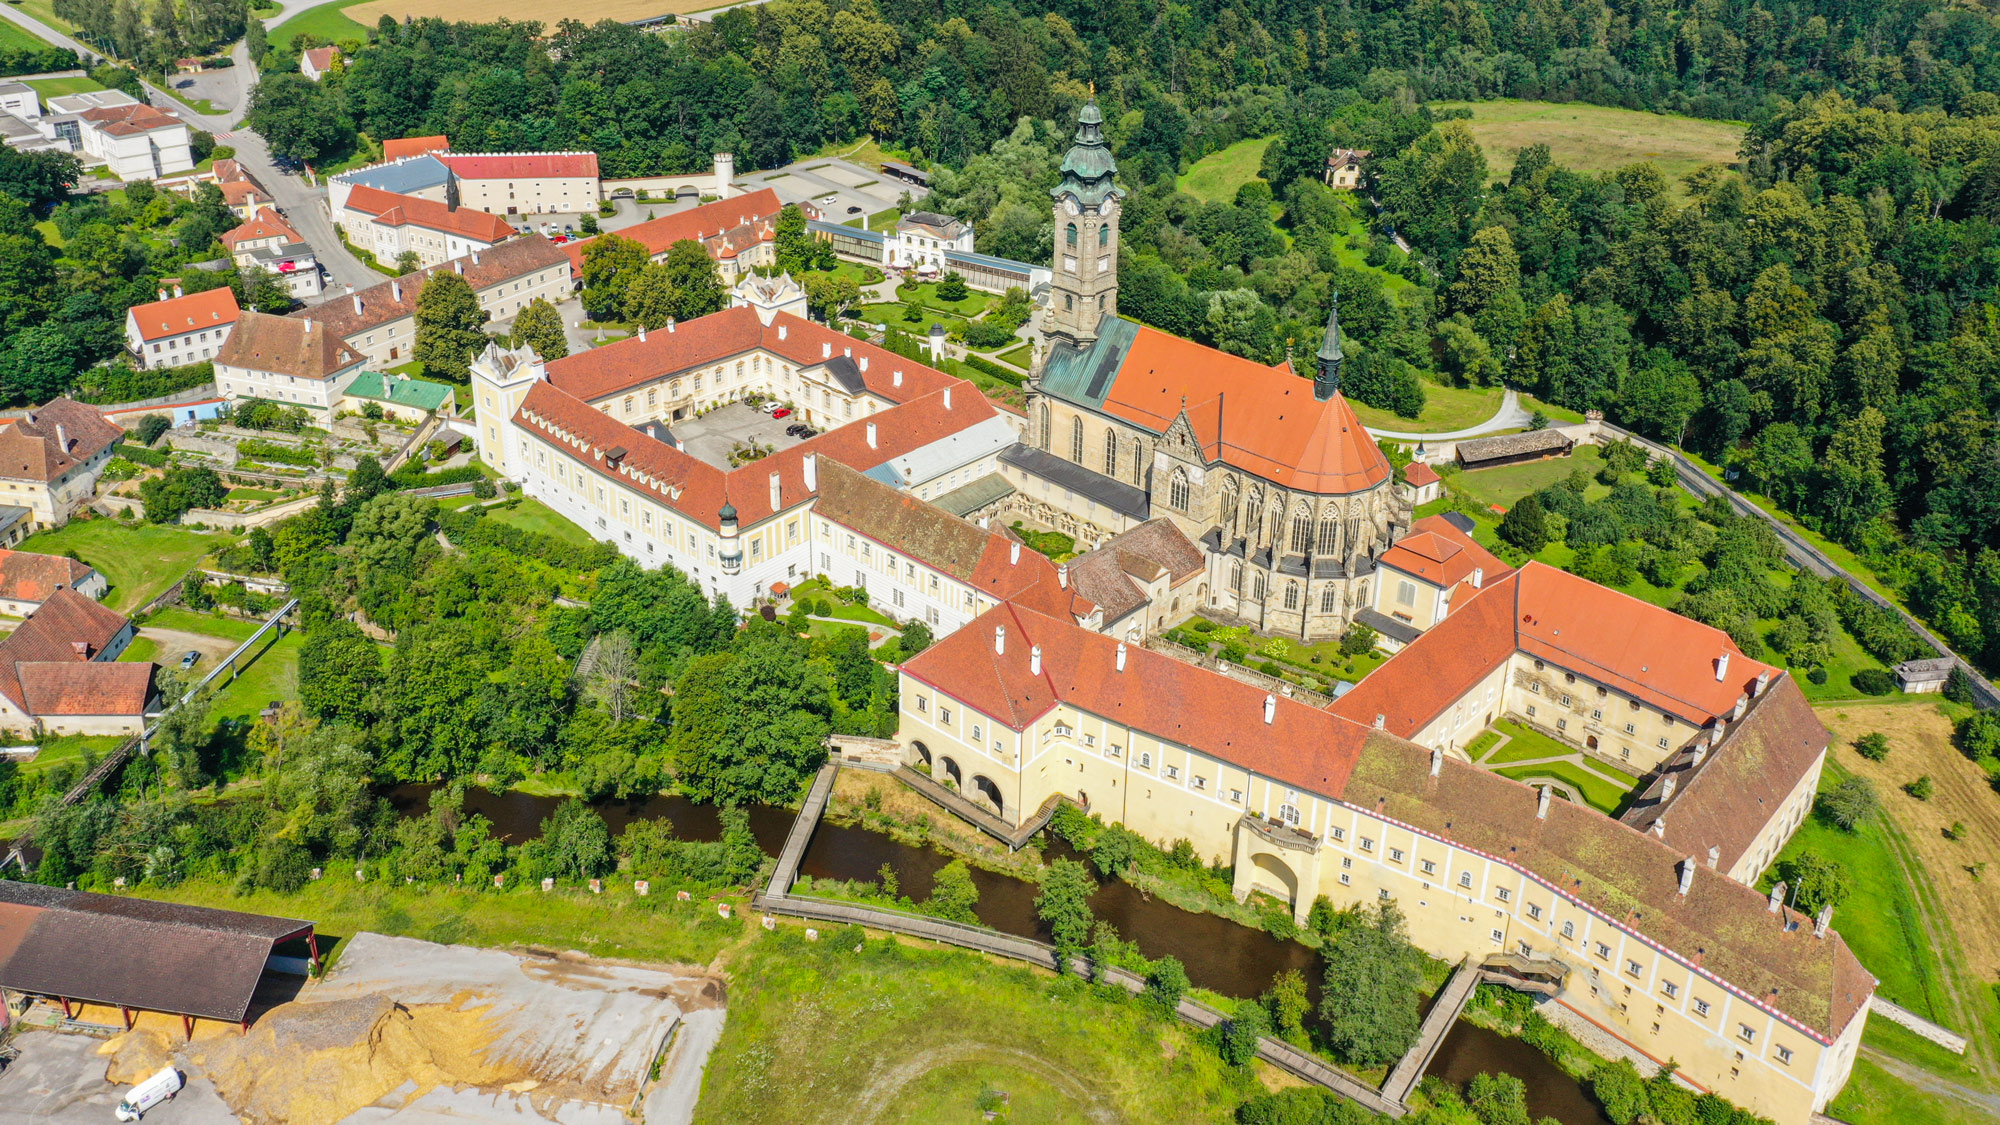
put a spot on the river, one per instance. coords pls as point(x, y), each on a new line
point(1221, 955)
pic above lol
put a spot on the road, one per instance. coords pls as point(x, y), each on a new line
point(1510, 416)
point(303, 205)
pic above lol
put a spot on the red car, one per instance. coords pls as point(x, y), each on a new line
point(781, 412)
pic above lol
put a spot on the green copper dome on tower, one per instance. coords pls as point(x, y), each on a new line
point(1088, 167)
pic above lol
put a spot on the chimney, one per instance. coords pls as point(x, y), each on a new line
point(475, 259)
point(847, 353)
point(1121, 656)
point(1763, 681)
point(1542, 799)
point(896, 380)
point(1437, 760)
point(1777, 897)
point(1660, 827)
point(999, 640)
point(812, 472)
point(1478, 576)
point(1722, 668)
point(1715, 732)
point(864, 363)
point(947, 398)
point(1270, 709)
point(1062, 575)
point(1742, 704)
point(825, 350)
point(776, 493)
point(357, 304)
point(1821, 920)
point(458, 267)
point(1700, 752)
point(177, 288)
point(1035, 660)
point(781, 331)
point(1687, 875)
point(642, 333)
point(1667, 789)
point(871, 435)
point(62, 437)
point(1381, 722)
point(982, 523)
point(1013, 549)
point(396, 290)
point(670, 325)
point(163, 292)
point(1714, 856)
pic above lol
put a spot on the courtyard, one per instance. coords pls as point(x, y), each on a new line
point(729, 431)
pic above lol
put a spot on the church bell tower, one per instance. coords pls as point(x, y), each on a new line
point(1085, 288)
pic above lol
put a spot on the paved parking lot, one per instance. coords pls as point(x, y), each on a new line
point(841, 189)
point(710, 437)
point(60, 1078)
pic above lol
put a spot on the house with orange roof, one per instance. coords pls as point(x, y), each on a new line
point(316, 62)
point(394, 150)
point(1645, 936)
point(1422, 573)
point(1421, 484)
point(28, 579)
point(60, 673)
point(179, 328)
point(389, 225)
point(740, 233)
point(50, 459)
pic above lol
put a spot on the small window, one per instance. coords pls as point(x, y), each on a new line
point(1672, 990)
point(978, 735)
point(1597, 713)
point(1173, 771)
point(1236, 796)
point(1340, 833)
point(1562, 724)
point(923, 705)
point(1534, 912)
point(1603, 951)
point(1536, 687)
point(1465, 878)
point(1785, 1055)
point(1090, 740)
point(944, 714)
point(1113, 750)
point(1145, 760)
point(1498, 936)
point(1632, 968)
point(1531, 710)
point(1430, 868)
point(1395, 855)
point(1569, 930)
point(1630, 729)
point(1367, 845)
point(1505, 894)
point(1663, 744)
point(1200, 782)
point(1701, 1007)
point(1565, 699)
point(1746, 1033)
point(1347, 861)
point(1383, 894)
point(1346, 879)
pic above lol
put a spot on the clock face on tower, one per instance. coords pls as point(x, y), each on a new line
point(1069, 204)
point(1105, 208)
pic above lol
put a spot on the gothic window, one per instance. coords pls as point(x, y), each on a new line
point(1291, 595)
point(1045, 426)
point(1301, 533)
point(1258, 586)
point(1076, 440)
point(1329, 536)
point(1071, 234)
point(1069, 302)
point(1177, 492)
point(1104, 234)
point(1236, 577)
point(1110, 452)
point(1138, 469)
point(1329, 600)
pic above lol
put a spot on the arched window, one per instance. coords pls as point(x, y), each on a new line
point(1301, 533)
point(1076, 440)
point(1291, 595)
point(1236, 577)
point(1045, 426)
point(1177, 492)
point(1071, 234)
point(1329, 599)
point(1104, 235)
point(1069, 302)
point(1110, 452)
point(1289, 814)
point(1329, 537)
point(1257, 586)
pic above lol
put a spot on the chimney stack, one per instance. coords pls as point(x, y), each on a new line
point(776, 492)
point(177, 288)
point(1121, 656)
point(1478, 576)
point(947, 398)
point(1542, 798)
point(1714, 856)
point(1822, 920)
point(812, 472)
point(1700, 752)
point(357, 304)
point(1062, 575)
point(864, 363)
point(1035, 660)
point(1722, 668)
point(825, 350)
point(1777, 898)
point(1667, 789)
point(999, 640)
point(1763, 681)
point(1660, 827)
point(1437, 761)
point(475, 259)
point(1014, 553)
point(163, 292)
point(62, 437)
point(642, 333)
point(871, 435)
point(847, 353)
point(1270, 709)
point(1687, 875)
point(896, 380)
point(458, 266)
point(396, 290)
point(1381, 722)
point(1742, 704)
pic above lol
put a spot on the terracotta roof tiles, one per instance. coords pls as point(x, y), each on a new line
point(393, 300)
point(304, 349)
point(157, 320)
point(54, 438)
point(521, 165)
point(726, 227)
point(29, 577)
point(391, 209)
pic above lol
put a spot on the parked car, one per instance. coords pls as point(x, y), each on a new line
point(781, 412)
point(189, 660)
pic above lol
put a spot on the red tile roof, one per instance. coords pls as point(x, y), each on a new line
point(264, 224)
point(1210, 713)
point(393, 151)
point(48, 664)
point(236, 193)
point(1418, 474)
point(393, 300)
point(96, 688)
point(53, 438)
point(157, 320)
point(129, 120)
point(1642, 650)
point(65, 620)
point(303, 349)
point(604, 371)
point(748, 218)
point(521, 165)
point(391, 209)
point(1263, 420)
point(321, 57)
point(1442, 555)
point(29, 577)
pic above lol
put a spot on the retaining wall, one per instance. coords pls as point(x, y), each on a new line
point(1897, 1014)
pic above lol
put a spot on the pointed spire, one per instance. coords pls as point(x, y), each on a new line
point(1326, 381)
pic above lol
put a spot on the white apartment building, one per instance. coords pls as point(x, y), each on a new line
point(180, 329)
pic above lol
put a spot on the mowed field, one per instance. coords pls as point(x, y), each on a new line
point(1590, 138)
point(486, 11)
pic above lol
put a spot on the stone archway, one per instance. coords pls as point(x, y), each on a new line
point(951, 772)
point(985, 788)
point(923, 752)
point(1274, 876)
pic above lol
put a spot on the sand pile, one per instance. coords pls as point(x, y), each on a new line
point(313, 1064)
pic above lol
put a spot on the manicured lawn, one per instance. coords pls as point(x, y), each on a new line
point(138, 560)
point(815, 589)
point(616, 923)
point(1596, 790)
point(72, 748)
point(996, 390)
point(1445, 409)
point(141, 648)
point(1019, 357)
point(272, 675)
point(864, 275)
point(208, 624)
point(1879, 919)
point(1215, 177)
point(57, 87)
point(892, 316)
point(1873, 1096)
point(1506, 485)
point(1524, 744)
point(926, 293)
point(1322, 658)
point(1480, 744)
point(14, 37)
point(922, 1032)
point(328, 21)
point(884, 220)
point(252, 495)
point(1589, 138)
point(533, 515)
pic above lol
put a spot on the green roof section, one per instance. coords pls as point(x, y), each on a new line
point(1084, 375)
point(400, 390)
point(969, 498)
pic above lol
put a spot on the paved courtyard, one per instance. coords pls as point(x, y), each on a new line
point(710, 437)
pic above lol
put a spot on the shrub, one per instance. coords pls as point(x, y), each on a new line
point(1849, 804)
point(1873, 681)
point(1166, 984)
point(1956, 832)
point(1873, 746)
point(1920, 788)
point(985, 366)
point(1358, 639)
point(150, 427)
point(1248, 1022)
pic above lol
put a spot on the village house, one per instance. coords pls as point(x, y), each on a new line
point(180, 329)
point(387, 225)
point(1343, 168)
point(316, 62)
point(380, 321)
point(50, 459)
point(60, 673)
point(286, 360)
point(27, 580)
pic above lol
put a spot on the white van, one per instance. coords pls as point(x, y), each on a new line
point(149, 1093)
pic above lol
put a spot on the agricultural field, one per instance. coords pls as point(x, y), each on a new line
point(1215, 177)
point(1589, 138)
point(334, 22)
point(488, 11)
